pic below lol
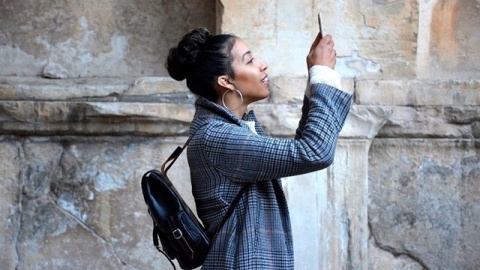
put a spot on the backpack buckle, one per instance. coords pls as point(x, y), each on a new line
point(177, 234)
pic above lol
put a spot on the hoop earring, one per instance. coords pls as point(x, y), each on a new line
point(241, 99)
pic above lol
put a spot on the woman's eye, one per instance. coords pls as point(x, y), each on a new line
point(250, 61)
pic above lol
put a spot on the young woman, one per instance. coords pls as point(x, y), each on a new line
point(229, 148)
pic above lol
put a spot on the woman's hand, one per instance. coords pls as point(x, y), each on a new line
point(322, 52)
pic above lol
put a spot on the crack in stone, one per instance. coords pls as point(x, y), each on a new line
point(392, 250)
point(355, 92)
point(18, 229)
point(125, 91)
point(81, 223)
point(21, 176)
point(350, 244)
point(114, 96)
point(93, 232)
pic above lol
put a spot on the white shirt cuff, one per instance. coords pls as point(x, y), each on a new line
point(323, 74)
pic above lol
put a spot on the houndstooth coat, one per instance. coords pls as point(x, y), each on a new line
point(224, 154)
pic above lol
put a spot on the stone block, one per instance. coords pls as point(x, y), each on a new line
point(144, 89)
point(374, 39)
point(278, 32)
point(107, 118)
point(424, 200)
point(429, 122)
point(369, 122)
point(418, 92)
point(453, 44)
point(40, 89)
point(91, 39)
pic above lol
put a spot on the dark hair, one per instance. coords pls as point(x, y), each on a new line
point(201, 58)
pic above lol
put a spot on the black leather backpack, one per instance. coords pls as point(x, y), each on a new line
point(181, 234)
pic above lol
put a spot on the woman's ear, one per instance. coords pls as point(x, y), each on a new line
point(224, 81)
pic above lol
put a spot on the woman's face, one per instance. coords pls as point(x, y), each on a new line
point(250, 76)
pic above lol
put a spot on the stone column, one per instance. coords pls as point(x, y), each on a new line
point(329, 208)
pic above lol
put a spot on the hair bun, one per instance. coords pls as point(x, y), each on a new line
point(182, 59)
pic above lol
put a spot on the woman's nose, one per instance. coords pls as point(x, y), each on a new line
point(263, 65)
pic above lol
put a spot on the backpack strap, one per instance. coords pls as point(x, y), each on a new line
point(156, 235)
point(173, 157)
point(230, 210)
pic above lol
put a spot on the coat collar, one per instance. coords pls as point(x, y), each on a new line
point(206, 109)
point(204, 105)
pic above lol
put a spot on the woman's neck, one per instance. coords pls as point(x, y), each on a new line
point(239, 111)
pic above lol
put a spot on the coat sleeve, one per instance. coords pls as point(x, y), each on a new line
point(246, 157)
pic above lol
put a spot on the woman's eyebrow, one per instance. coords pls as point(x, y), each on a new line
point(245, 54)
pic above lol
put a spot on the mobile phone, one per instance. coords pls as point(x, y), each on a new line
point(320, 24)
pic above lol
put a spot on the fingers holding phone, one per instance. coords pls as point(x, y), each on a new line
point(322, 51)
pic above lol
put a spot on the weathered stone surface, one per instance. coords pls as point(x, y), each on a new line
point(88, 212)
point(433, 122)
point(34, 88)
point(375, 39)
point(71, 198)
point(144, 89)
point(279, 32)
point(372, 39)
point(53, 234)
point(11, 195)
point(418, 92)
point(425, 201)
point(70, 118)
point(462, 115)
point(54, 71)
point(380, 259)
point(41, 167)
point(454, 51)
point(53, 239)
point(91, 39)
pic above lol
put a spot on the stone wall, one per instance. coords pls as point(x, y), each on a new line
point(403, 192)
point(94, 38)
